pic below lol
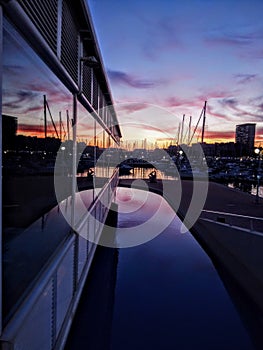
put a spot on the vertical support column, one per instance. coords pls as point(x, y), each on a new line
point(59, 28)
point(1, 232)
point(95, 158)
point(74, 161)
point(91, 88)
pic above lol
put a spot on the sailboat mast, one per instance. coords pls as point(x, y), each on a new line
point(203, 128)
point(189, 129)
point(182, 130)
point(60, 126)
point(178, 136)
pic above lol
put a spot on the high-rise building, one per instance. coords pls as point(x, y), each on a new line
point(245, 138)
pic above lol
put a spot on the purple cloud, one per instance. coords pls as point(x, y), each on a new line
point(177, 102)
point(16, 99)
point(260, 107)
point(233, 104)
point(245, 78)
point(229, 102)
point(12, 70)
point(212, 112)
point(123, 78)
point(232, 38)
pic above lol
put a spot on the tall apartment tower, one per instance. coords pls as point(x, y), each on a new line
point(245, 137)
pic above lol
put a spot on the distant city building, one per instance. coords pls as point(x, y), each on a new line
point(9, 130)
point(245, 138)
point(226, 149)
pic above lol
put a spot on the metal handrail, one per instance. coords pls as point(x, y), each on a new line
point(251, 220)
point(233, 214)
point(83, 220)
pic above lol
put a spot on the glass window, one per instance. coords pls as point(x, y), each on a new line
point(37, 115)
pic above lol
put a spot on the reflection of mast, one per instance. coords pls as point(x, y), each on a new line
point(45, 116)
point(203, 128)
point(46, 107)
point(68, 125)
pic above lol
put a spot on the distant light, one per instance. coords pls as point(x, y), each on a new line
point(257, 150)
point(63, 148)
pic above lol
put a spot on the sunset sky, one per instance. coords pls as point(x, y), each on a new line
point(165, 58)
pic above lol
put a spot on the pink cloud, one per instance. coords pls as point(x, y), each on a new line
point(130, 107)
point(228, 135)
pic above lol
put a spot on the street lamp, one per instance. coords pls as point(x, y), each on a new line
point(258, 152)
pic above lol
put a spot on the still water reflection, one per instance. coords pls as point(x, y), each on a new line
point(168, 293)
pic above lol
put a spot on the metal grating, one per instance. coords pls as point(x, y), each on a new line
point(87, 82)
point(95, 93)
point(69, 41)
point(101, 104)
point(44, 15)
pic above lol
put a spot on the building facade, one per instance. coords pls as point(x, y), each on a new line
point(245, 138)
point(57, 115)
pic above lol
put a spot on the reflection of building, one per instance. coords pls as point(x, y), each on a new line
point(9, 130)
point(50, 48)
point(245, 137)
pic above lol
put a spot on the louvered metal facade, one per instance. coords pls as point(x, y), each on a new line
point(44, 15)
point(60, 36)
point(66, 29)
point(69, 41)
point(87, 84)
